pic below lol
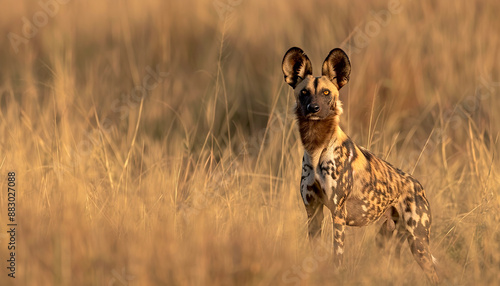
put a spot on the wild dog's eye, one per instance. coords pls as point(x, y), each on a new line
point(326, 92)
point(304, 91)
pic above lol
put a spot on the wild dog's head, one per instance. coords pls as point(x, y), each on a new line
point(317, 97)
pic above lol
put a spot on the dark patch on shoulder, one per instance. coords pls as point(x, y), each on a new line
point(349, 145)
point(367, 154)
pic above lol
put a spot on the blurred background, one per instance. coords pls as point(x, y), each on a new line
point(154, 142)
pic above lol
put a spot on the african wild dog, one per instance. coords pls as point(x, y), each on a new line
point(357, 187)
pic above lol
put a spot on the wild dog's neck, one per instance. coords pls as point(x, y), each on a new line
point(316, 135)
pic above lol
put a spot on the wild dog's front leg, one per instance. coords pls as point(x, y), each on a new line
point(315, 215)
point(339, 222)
point(311, 195)
point(335, 201)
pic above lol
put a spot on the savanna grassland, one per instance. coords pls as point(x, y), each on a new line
point(154, 142)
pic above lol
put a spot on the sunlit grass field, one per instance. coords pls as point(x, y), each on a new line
point(154, 142)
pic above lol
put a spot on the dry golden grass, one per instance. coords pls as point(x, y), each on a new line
point(197, 182)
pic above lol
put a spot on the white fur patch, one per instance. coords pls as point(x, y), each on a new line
point(425, 219)
point(351, 154)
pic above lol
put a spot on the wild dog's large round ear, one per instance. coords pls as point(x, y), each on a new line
point(296, 66)
point(337, 67)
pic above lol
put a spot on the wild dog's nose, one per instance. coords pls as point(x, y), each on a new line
point(313, 107)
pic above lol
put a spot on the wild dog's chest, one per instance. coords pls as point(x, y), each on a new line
point(331, 170)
